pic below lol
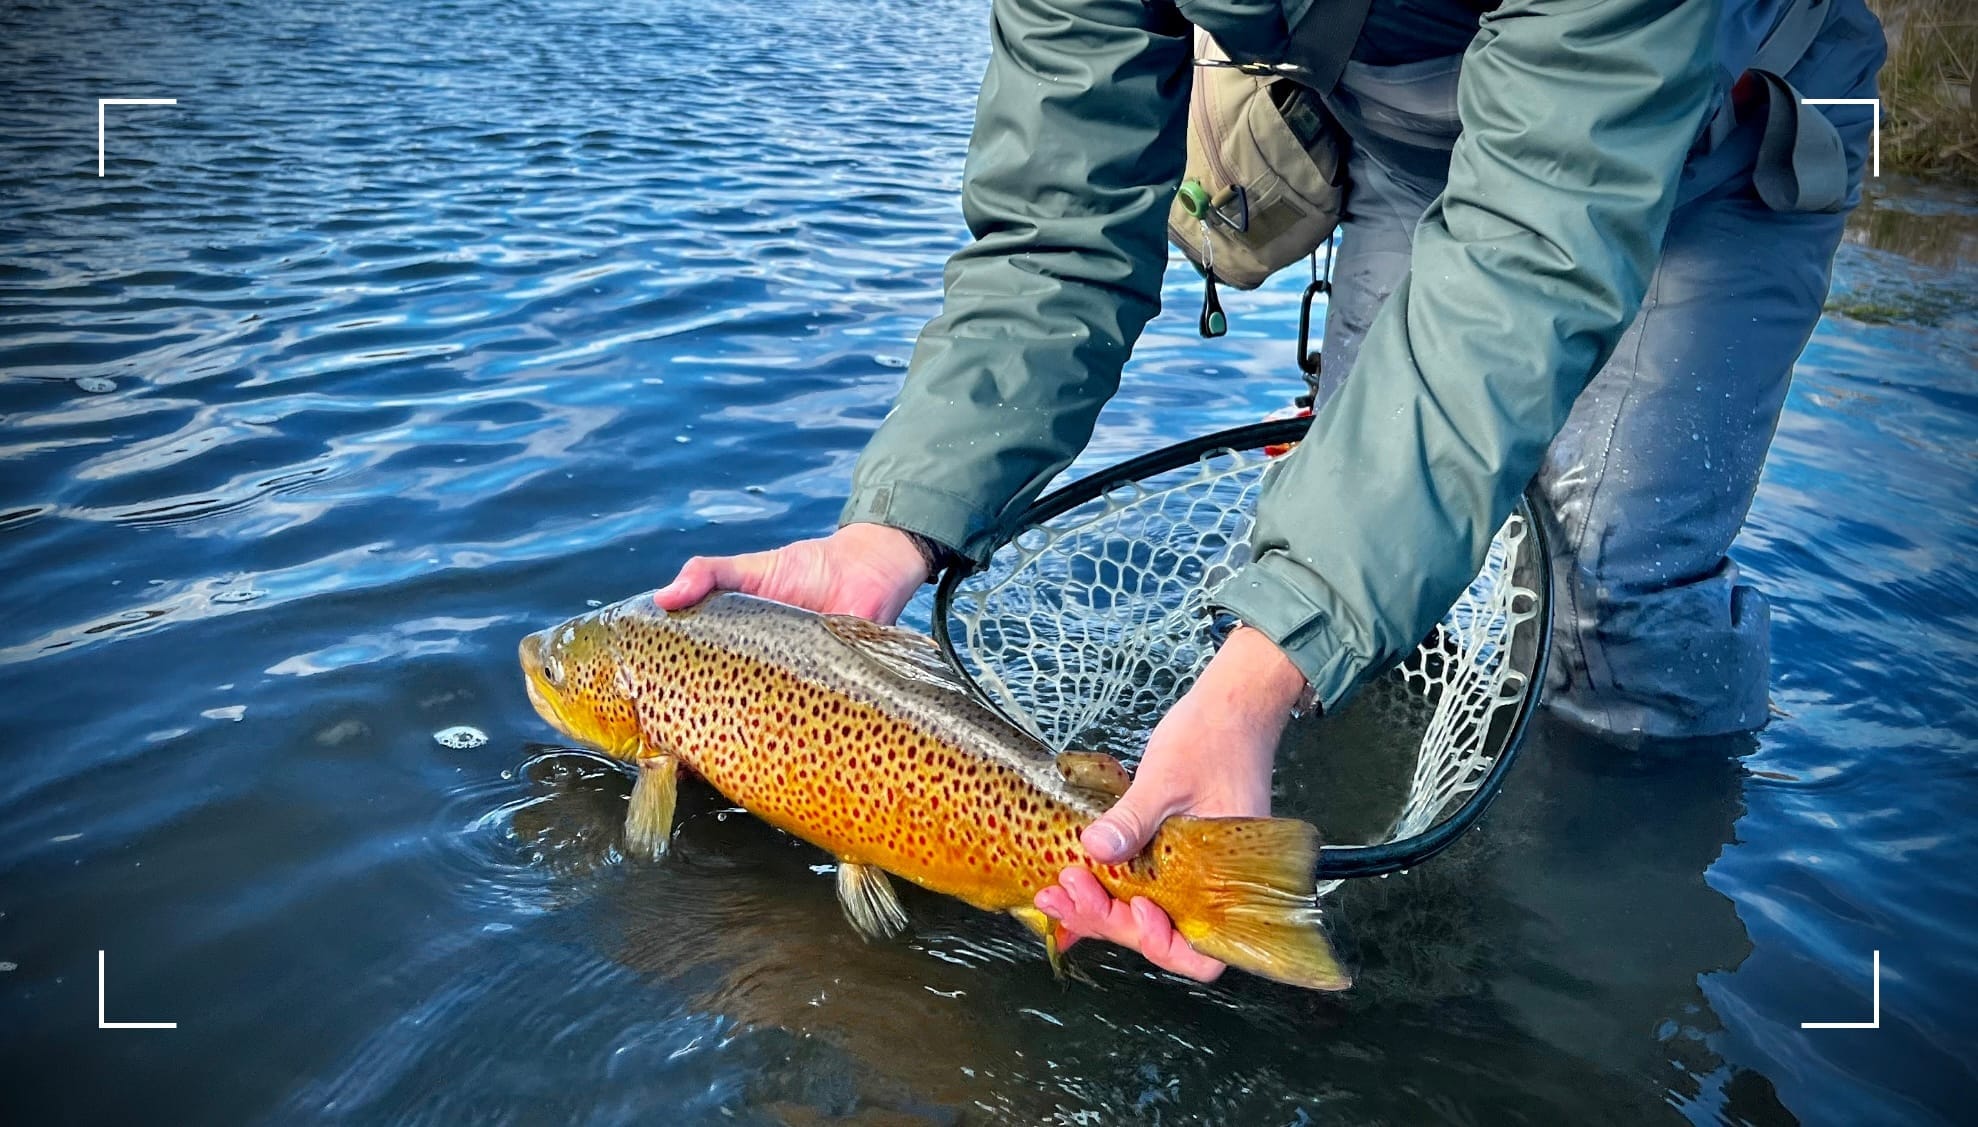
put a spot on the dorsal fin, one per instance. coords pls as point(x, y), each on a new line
point(1095, 773)
point(909, 654)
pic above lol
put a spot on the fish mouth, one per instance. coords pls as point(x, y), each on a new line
point(534, 680)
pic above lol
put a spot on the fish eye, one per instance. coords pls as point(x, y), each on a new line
point(553, 673)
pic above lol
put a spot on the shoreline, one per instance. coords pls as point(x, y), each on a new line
point(1929, 89)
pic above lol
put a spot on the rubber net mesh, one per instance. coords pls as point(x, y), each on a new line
point(1089, 627)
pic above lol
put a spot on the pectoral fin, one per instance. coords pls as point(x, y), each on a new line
point(1096, 773)
point(869, 900)
point(649, 821)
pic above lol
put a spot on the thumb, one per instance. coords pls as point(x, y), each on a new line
point(1122, 832)
point(704, 574)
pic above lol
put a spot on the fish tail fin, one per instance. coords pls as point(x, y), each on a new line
point(1252, 900)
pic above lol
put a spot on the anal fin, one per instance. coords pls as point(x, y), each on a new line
point(869, 900)
point(1049, 930)
point(649, 821)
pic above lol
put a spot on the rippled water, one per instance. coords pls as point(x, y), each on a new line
point(411, 328)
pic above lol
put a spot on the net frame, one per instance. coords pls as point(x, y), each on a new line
point(1472, 734)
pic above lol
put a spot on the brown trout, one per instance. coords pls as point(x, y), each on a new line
point(862, 740)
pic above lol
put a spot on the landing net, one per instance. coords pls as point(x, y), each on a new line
point(1093, 620)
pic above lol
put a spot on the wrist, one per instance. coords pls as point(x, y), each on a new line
point(1252, 675)
point(935, 557)
point(893, 550)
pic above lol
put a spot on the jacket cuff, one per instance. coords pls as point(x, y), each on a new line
point(950, 521)
point(1276, 596)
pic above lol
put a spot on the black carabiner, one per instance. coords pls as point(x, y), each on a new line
point(1309, 360)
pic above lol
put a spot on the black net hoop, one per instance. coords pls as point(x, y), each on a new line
point(1092, 618)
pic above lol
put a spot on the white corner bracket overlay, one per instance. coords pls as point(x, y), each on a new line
point(102, 1024)
point(1874, 127)
point(1874, 1023)
point(102, 102)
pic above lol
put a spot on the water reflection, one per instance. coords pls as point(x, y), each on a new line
point(1929, 223)
point(1604, 876)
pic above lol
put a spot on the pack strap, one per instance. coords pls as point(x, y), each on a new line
point(1802, 165)
point(1787, 43)
point(1322, 41)
point(1782, 48)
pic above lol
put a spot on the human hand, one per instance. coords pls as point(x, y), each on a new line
point(1210, 756)
point(868, 570)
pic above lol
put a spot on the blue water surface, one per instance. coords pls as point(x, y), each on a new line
point(411, 328)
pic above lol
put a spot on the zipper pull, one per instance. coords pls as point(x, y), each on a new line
point(1212, 323)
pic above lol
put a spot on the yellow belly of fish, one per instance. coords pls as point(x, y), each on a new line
point(871, 789)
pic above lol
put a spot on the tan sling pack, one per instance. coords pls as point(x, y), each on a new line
point(1265, 179)
point(1266, 172)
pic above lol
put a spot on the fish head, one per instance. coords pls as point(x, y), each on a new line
point(578, 680)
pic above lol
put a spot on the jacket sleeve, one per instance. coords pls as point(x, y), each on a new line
point(1577, 117)
point(1079, 142)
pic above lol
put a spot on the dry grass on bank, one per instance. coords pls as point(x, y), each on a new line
point(1929, 97)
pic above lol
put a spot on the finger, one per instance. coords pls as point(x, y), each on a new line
point(1163, 946)
point(1120, 833)
point(692, 584)
point(1052, 901)
point(1093, 913)
point(1080, 911)
point(703, 575)
point(1139, 925)
point(1088, 897)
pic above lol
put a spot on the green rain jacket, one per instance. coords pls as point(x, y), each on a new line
point(1577, 117)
